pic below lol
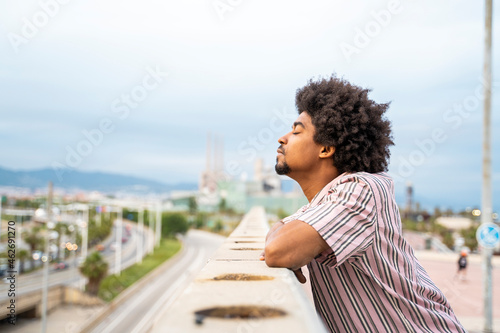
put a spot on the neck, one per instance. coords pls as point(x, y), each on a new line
point(314, 182)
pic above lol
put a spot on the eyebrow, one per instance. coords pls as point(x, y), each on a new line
point(298, 123)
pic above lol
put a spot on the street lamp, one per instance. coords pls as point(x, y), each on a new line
point(118, 254)
point(46, 263)
point(158, 224)
point(140, 234)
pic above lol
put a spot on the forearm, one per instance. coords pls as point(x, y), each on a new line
point(293, 245)
point(273, 231)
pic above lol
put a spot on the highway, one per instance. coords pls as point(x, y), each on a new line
point(142, 310)
point(30, 282)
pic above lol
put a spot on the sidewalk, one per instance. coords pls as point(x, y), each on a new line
point(64, 319)
point(465, 297)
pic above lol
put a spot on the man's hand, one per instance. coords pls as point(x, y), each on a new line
point(298, 272)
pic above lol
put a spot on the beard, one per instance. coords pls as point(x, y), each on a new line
point(282, 169)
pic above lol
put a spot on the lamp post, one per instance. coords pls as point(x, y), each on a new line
point(140, 234)
point(46, 263)
point(119, 241)
point(151, 243)
point(158, 224)
point(486, 200)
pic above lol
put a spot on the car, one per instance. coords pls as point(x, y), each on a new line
point(60, 265)
point(99, 247)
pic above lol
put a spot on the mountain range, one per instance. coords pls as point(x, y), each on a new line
point(90, 181)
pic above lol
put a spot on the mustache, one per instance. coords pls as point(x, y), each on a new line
point(281, 150)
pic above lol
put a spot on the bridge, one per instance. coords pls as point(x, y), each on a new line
point(30, 304)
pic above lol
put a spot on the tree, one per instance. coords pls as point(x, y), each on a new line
point(36, 242)
point(173, 223)
point(200, 220)
point(22, 255)
point(95, 268)
point(61, 229)
point(218, 226)
point(448, 239)
point(193, 205)
point(222, 205)
point(469, 236)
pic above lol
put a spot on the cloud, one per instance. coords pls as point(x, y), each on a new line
point(227, 76)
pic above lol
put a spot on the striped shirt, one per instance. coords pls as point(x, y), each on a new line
point(369, 280)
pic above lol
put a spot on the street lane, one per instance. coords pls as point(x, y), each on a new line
point(139, 313)
point(27, 283)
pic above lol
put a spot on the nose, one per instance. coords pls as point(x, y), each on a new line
point(282, 140)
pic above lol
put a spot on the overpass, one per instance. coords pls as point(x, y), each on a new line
point(30, 304)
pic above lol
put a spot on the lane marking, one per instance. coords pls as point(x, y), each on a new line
point(131, 304)
point(173, 291)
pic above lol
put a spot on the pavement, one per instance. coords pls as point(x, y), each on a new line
point(465, 296)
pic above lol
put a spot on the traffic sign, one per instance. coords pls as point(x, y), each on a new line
point(488, 235)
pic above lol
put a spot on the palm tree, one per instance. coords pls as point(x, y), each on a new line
point(61, 229)
point(22, 255)
point(95, 268)
point(36, 242)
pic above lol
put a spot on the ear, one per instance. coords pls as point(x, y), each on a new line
point(326, 152)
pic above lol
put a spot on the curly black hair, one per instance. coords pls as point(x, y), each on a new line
point(345, 118)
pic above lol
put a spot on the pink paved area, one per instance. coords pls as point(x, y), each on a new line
point(465, 296)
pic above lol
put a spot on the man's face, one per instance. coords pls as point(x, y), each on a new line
point(298, 153)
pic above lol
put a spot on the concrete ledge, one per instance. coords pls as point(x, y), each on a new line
point(253, 289)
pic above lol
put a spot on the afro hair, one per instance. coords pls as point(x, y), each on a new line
point(345, 118)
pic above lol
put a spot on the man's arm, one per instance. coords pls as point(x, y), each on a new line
point(292, 245)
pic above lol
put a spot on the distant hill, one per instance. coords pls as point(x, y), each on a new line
point(90, 181)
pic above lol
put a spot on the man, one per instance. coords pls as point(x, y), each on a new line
point(364, 275)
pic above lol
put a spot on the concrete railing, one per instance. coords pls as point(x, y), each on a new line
point(237, 292)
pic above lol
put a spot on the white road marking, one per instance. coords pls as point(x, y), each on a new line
point(131, 306)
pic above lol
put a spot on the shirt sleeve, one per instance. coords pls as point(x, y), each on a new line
point(346, 220)
point(295, 215)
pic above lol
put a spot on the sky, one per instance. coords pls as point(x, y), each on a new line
point(134, 87)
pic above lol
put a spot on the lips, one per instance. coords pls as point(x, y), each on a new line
point(280, 152)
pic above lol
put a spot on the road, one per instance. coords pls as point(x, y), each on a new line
point(139, 313)
point(30, 282)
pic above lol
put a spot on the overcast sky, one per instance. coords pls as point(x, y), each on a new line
point(133, 87)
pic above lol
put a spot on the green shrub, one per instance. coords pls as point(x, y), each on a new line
point(173, 223)
point(112, 285)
